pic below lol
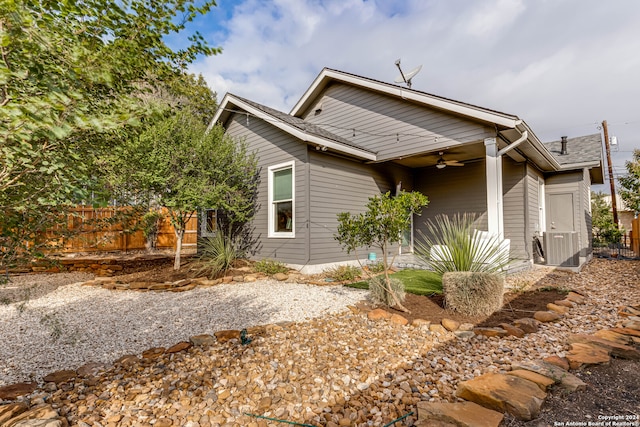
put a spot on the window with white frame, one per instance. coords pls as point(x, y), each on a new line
point(282, 200)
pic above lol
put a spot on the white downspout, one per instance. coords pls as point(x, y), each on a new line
point(514, 144)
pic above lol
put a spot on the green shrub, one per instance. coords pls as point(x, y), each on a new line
point(376, 268)
point(473, 293)
point(218, 255)
point(381, 294)
point(344, 273)
point(270, 267)
point(452, 244)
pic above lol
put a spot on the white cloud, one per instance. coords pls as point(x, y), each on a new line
point(562, 65)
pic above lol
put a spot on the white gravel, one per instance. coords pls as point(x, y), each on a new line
point(73, 324)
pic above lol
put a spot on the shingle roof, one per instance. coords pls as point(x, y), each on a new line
point(302, 125)
point(582, 149)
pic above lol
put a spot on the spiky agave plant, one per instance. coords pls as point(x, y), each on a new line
point(453, 244)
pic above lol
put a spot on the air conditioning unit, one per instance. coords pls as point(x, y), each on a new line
point(561, 248)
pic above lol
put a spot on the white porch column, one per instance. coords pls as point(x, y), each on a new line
point(494, 187)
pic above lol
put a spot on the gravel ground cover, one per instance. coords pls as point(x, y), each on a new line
point(65, 326)
point(337, 369)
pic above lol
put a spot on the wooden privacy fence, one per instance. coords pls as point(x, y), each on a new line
point(635, 236)
point(102, 229)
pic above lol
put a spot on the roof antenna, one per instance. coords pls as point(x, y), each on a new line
point(406, 78)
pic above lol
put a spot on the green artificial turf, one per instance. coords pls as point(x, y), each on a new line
point(419, 282)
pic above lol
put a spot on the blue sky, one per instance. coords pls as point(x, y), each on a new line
point(561, 65)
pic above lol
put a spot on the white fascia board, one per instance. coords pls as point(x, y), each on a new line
point(454, 107)
point(222, 108)
point(304, 136)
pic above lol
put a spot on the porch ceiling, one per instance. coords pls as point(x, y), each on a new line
point(462, 153)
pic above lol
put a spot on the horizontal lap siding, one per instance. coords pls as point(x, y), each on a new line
point(273, 147)
point(533, 198)
point(586, 210)
point(453, 190)
point(339, 185)
point(514, 206)
point(377, 119)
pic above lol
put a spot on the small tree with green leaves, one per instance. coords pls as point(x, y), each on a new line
point(181, 166)
point(380, 226)
point(604, 229)
point(630, 183)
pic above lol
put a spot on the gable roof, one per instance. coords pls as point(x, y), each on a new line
point(294, 126)
point(510, 128)
point(473, 111)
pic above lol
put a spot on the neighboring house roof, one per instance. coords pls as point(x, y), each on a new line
point(581, 150)
point(294, 126)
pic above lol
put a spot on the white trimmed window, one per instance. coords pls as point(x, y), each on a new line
point(282, 200)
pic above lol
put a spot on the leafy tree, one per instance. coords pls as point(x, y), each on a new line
point(380, 226)
point(73, 75)
point(605, 231)
point(180, 165)
point(630, 183)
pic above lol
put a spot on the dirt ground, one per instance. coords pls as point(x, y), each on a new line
point(612, 390)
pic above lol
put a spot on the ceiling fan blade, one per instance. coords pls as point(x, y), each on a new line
point(453, 163)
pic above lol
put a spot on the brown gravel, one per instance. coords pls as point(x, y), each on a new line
point(337, 370)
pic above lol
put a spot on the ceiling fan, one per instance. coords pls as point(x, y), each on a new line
point(442, 163)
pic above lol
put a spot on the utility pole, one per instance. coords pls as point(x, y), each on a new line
point(614, 207)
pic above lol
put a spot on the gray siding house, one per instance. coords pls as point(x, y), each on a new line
point(350, 137)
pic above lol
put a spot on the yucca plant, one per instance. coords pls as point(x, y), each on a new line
point(218, 254)
point(452, 244)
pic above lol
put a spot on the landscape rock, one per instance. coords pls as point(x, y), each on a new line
point(615, 349)
point(11, 410)
point(379, 314)
point(585, 354)
point(12, 391)
point(558, 361)
point(576, 298)
point(490, 332)
point(227, 335)
point(421, 323)
point(631, 324)
point(546, 316)
point(626, 331)
point(450, 325)
point(527, 324)
point(396, 319)
point(609, 335)
point(153, 353)
point(44, 411)
point(181, 346)
point(202, 340)
point(462, 414)
point(562, 378)
point(512, 330)
point(557, 308)
point(281, 277)
point(543, 382)
point(564, 303)
point(505, 393)
point(60, 376)
point(437, 328)
point(90, 369)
